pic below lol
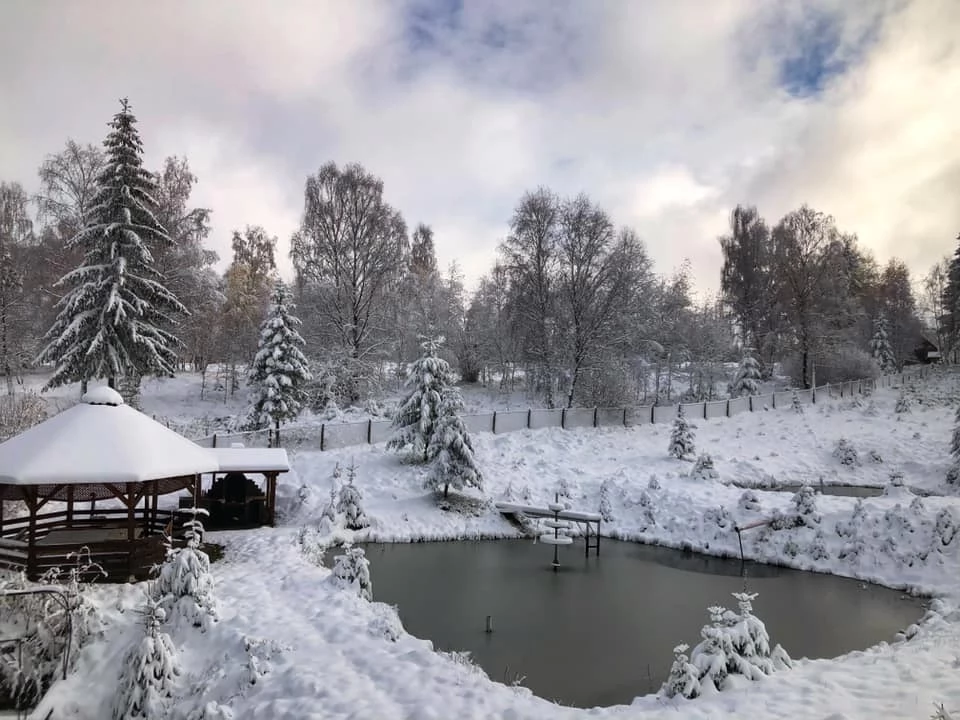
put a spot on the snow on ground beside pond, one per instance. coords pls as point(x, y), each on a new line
point(327, 655)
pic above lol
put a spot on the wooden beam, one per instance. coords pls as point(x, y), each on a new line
point(69, 504)
point(131, 528)
point(56, 489)
point(271, 497)
point(118, 493)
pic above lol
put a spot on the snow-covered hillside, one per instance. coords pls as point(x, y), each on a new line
point(291, 644)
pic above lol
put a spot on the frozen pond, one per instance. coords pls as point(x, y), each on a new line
point(602, 630)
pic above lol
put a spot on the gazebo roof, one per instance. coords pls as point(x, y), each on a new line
point(100, 441)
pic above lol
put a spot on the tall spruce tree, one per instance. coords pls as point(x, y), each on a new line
point(747, 380)
point(111, 318)
point(279, 370)
point(880, 347)
point(418, 413)
point(450, 448)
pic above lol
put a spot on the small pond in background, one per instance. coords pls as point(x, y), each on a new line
point(602, 630)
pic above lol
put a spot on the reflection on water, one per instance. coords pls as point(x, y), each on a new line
point(602, 630)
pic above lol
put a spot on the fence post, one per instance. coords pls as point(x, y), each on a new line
point(323, 427)
point(494, 426)
point(595, 410)
point(653, 414)
point(369, 430)
point(529, 413)
point(728, 407)
point(624, 417)
point(214, 440)
point(704, 410)
point(773, 399)
point(750, 402)
point(563, 418)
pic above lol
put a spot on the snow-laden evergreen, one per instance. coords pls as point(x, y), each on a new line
point(733, 644)
point(880, 348)
point(350, 503)
point(704, 469)
point(953, 474)
point(419, 412)
point(450, 450)
point(279, 371)
point(747, 379)
point(795, 402)
point(184, 587)
point(149, 674)
point(681, 437)
point(352, 571)
point(115, 306)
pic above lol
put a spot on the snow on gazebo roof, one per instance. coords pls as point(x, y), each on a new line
point(256, 460)
point(100, 441)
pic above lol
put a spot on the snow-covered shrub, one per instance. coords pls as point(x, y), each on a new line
point(352, 571)
point(419, 413)
point(563, 488)
point(795, 402)
point(917, 507)
point(607, 488)
point(733, 644)
point(647, 518)
point(846, 453)
point(818, 548)
point(805, 503)
point(184, 586)
point(904, 402)
point(681, 437)
point(19, 412)
point(704, 469)
point(654, 483)
point(850, 528)
point(747, 379)
point(450, 449)
point(749, 501)
point(718, 517)
point(150, 672)
point(386, 622)
point(945, 528)
point(875, 457)
point(350, 503)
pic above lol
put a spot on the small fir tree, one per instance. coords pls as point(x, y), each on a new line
point(115, 306)
point(450, 448)
point(795, 402)
point(419, 412)
point(681, 437)
point(704, 468)
point(350, 503)
point(184, 587)
point(904, 402)
point(352, 571)
point(880, 348)
point(747, 379)
point(279, 370)
point(149, 674)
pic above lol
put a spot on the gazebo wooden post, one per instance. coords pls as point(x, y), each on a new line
point(30, 499)
point(271, 497)
point(69, 505)
point(1, 515)
point(156, 500)
point(130, 500)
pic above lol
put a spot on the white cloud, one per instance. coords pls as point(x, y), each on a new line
point(668, 113)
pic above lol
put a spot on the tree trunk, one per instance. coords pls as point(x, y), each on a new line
point(112, 382)
point(446, 489)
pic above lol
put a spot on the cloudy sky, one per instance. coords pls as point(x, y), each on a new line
point(667, 112)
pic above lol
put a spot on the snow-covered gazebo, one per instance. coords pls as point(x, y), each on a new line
point(100, 449)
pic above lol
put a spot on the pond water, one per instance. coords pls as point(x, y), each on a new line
point(601, 630)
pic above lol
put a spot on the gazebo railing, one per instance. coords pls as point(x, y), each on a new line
point(105, 534)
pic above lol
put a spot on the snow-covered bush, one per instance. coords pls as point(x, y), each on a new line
point(418, 413)
point(733, 644)
point(351, 571)
point(718, 517)
point(150, 672)
point(704, 469)
point(749, 501)
point(795, 402)
point(350, 504)
point(46, 627)
point(20, 412)
point(904, 402)
point(654, 483)
point(607, 488)
point(880, 348)
point(278, 373)
point(953, 474)
point(450, 449)
point(386, 622)
point(747, 379)
point(850, 528)
point(681, 437)
point(805, 503)
point(184, 587)
point(846, 453)
point(818, 548)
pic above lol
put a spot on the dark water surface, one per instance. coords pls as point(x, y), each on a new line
point(602, 630)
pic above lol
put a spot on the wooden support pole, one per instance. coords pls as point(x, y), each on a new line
point(69, 505)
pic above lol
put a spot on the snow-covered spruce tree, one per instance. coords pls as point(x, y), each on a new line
point(880, 348)
point(350, 503)
point(418, 413)
point(681, 437)
point(733, 644)
point(149, 674)
point(115, 306)
point(747, 379)
point(352, 571)
point(953, 475)
point(795, 402)
point(450, 449)
point(904, 402)
point(184, 586)
point(704, 469)
point(279, 371)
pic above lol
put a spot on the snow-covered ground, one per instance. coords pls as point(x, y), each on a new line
point(290, 644)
